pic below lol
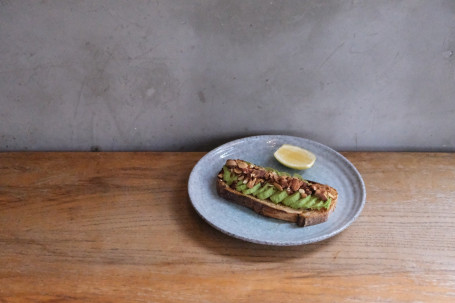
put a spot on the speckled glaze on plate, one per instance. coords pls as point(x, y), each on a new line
point(240, 222)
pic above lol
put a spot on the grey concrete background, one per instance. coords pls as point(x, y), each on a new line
point(189, 74)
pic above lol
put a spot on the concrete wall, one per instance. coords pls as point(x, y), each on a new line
point(192, 74)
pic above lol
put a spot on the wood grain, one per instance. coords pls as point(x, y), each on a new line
point(119, 227)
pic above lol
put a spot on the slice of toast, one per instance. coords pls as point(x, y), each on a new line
point(251, 175)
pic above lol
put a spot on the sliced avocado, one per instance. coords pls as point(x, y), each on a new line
point(301, 203)
point(233, 179)
point(290, 200)
point(318, 205)
point(227, 176)
point(279, 196)
point(267, 193)
point(249, 191)
point(262, 189)
point(327, 203)
point(240, 187)
point(311, 202)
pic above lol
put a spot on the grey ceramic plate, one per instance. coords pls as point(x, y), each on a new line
point(330, 168)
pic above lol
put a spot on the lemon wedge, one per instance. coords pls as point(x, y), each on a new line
point(294, 157)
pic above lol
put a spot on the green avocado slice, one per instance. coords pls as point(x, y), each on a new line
point(266, 193)
point(228, 177)
point(279, 196)
point(311, 202)
point(318, 205)
point(252, 190)
point(241, 186)
point(262, 189)
point(301, 203)
point(290, 200)
point(327, 203)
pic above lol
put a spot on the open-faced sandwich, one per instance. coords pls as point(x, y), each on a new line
point(276, 194)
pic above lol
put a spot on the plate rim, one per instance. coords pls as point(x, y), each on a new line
point(289, 243)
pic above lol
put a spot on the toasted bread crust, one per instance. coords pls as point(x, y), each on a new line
point(301, 217)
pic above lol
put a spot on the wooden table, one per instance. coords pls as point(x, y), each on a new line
point(119, 227)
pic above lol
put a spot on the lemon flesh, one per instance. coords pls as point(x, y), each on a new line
point(294, 157)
